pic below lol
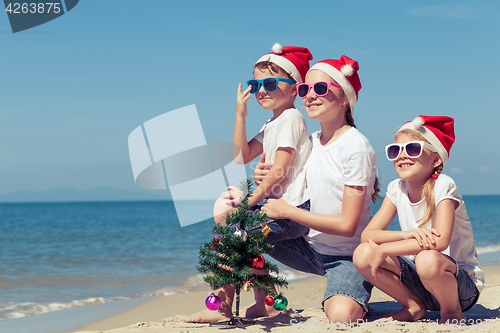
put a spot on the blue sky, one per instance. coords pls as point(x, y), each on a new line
point(73, 89)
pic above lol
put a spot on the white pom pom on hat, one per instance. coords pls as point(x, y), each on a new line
point(347, 70)
point(277, 48)
point(418, 122)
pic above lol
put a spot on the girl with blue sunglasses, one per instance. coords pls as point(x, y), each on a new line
point(284, 141)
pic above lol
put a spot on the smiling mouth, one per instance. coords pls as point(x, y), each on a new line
point(405, 164)
point(313, 105)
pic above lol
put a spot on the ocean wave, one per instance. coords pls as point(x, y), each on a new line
point(489, 248)
point(20, 310)
point(191, 283)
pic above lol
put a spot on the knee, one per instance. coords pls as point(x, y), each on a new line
point(428, 264)
point(338, 311)
point(220, 211)
point(360, 256)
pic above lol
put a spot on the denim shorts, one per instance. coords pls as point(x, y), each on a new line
point(281, 229)
point(467, 290)
point(342, 277)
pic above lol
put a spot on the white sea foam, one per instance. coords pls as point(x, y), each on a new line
point(489, 248)
point(20, 310)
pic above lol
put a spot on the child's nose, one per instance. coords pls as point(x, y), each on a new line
point(261, 89)
point(311, 94)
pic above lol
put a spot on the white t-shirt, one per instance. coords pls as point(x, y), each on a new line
point(288, 130)
point(461, 248)
point(349, 160)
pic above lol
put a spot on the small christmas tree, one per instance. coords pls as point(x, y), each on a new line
point(232, 254)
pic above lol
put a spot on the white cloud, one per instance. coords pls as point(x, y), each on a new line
point(456, 170)
point(447, 11)
point(485, 169)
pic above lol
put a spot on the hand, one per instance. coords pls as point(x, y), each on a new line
point(261, 169)
point(233, 197)
point(241, 101)
point(424, 237)
point(275, 208)
point(376, 258)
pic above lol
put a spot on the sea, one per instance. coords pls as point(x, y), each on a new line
point(56, 256)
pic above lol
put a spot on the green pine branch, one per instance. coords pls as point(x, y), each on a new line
point(227, 260)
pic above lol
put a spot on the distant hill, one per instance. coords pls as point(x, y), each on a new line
point(59, 194)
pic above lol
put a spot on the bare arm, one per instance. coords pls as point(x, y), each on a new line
point(253, 148)
point(342, 225)
point(445, 218)
point(375, 230)
point(274, 176)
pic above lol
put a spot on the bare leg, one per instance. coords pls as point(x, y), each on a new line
point(388, 282)
point(437, 273)
point(226, 294)
point(343, 309)
point(259, 308)
point(225, 311)
point(221, 210)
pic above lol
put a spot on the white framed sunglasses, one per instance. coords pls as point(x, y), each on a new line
point(413, 149)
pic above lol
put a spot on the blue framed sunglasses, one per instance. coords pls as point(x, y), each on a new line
point(270, 84)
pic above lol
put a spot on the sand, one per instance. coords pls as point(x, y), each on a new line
point(165, 313)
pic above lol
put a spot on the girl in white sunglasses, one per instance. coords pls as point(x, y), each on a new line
point(432, 263)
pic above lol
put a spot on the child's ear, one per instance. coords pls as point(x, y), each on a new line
point(294, 89)
point(437, 161)
point(345, 102)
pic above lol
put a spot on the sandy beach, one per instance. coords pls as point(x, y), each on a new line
point(165, 313)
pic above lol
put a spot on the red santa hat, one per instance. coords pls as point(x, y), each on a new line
point(345, 73)
point(438, 130)
point(293, 59)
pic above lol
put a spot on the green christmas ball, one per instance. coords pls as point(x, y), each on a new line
point(280, 303)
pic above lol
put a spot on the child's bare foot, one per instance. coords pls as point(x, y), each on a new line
point(259, 310)
point(208, 316)
point(408, 314)
point(452, 318)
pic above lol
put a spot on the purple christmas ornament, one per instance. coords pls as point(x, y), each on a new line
point(213, 302)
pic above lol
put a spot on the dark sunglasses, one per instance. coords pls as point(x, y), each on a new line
point(320, 88)
point(413, 149)
point(270, 84)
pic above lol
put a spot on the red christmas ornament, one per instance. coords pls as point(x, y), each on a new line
point(269, 301)
point(258, 262)
point(216, 240)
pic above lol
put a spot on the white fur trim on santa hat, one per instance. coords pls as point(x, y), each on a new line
point(341, 79)
point(284, 63)
point(417, 124)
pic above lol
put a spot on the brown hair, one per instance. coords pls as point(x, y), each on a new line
point(428, 188)
point(271, 67)
point(350, 121)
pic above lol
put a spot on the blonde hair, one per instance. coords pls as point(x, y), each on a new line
point(428, 188)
